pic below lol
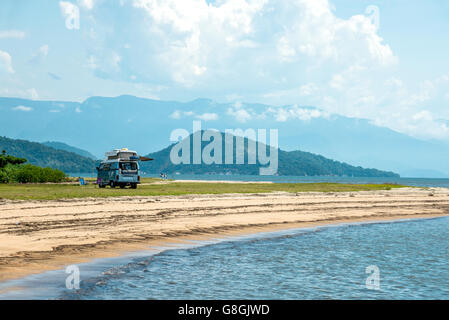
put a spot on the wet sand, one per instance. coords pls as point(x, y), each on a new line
point(37, 236)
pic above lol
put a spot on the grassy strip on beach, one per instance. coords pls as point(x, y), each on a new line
point(71, 191)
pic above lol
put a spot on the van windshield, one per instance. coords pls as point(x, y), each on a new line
point(128, 165)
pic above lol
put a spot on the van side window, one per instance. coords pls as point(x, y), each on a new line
point(107, 167)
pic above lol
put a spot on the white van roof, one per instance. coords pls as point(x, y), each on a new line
point(123, 153)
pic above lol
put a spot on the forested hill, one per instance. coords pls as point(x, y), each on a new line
point(293, 163)
point(44, 156)
point(66, 147)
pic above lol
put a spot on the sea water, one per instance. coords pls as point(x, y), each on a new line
point(410, 258)
point(406, 259)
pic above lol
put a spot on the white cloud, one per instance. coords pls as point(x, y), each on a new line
point(5, 62)
point(275, 52)
point(423, 115)
point(196, 35)
point(394, 82)
point(405, 107)
point(11, 34)
point(231, 47)
point(283, 114)
point(240, 114)
point(207, 116)
point(308, 89)
point(318, 33)
point(22, 108)
point(247, 44)
point(422, 124)
point(86, 4)
point(176, 115)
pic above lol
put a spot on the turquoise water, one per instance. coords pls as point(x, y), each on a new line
point(417, 182)
point(319, 263)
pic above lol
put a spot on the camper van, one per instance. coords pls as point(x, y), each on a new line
point(119, 169)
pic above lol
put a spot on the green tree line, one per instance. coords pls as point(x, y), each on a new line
point(15, 170)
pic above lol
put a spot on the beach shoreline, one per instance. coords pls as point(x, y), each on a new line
point(38, 236)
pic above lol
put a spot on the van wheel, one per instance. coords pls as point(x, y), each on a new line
point(134, 186)
point(122, 186)
point(112, 184)
point(101, 186)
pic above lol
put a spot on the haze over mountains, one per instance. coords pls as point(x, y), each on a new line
point(100, 124)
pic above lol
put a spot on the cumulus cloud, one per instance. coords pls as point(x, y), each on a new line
point(177, 114)
point(22, 108)
point(274, 52)
point(86, 4)
point(5, 62)
point(414, 110)
point(231, 46)
point(196, 35)
point(239, 113)
point(318, 33)
point(282, 114)
point(207, 116)
point(308, 89)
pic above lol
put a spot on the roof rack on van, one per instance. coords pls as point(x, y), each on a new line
point(121, 154)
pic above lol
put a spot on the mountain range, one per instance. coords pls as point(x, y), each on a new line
point(44, 156)
point(66, 147)
point(290, 163)
point(99, 124)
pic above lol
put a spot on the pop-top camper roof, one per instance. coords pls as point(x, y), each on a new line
point(121, 154)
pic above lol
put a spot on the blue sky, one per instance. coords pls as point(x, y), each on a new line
point(382, 60)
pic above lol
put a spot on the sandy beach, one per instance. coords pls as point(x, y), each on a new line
point(36, 236)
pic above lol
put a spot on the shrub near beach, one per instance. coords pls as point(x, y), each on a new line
point(14, 170)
